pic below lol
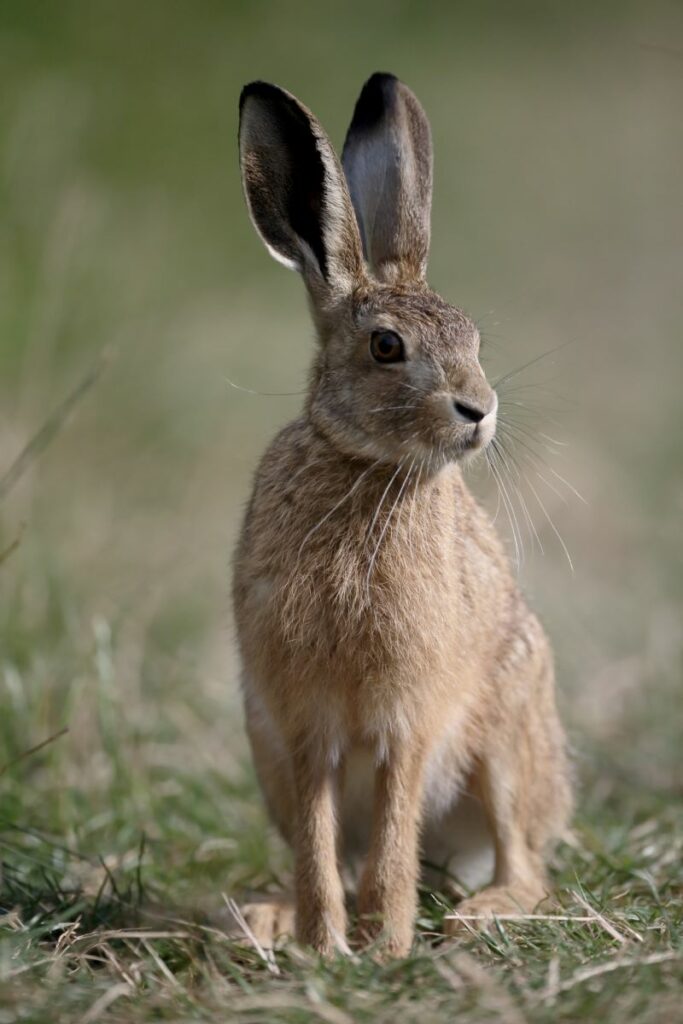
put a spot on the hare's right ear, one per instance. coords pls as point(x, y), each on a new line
point(387, 159)
point(296, 191)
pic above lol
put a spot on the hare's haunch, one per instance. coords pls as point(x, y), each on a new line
point(399, 694)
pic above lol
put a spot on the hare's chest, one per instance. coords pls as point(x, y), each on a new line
point(348, 592)
point(365, 610)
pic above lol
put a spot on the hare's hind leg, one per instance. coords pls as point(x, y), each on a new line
point(260, 920)
point(523, 782)
point(300, 788)
point(263, 919)
point(519, 881)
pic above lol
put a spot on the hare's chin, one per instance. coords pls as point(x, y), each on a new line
point(474, 445)
point(482, 439)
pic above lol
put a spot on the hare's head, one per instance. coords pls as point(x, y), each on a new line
point(397, 374)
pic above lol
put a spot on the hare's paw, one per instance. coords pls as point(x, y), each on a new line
point(390, 947)
point(383, 943)
point(506, 902)
point(265, 923)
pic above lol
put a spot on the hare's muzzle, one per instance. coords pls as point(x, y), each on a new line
point(479, 412)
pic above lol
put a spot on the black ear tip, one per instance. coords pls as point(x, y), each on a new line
point(380, 79)
point(375, 97)
point(261, 91)
point(275, 103)
point(379, 88)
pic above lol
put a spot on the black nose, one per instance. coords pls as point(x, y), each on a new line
point(469, 412)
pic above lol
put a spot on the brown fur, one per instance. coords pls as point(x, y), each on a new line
point(376, 612)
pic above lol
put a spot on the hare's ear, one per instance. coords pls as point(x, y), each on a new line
point(296, 191)
point(387, 160)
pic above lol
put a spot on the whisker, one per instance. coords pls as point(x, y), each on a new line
point(381, 500)
point(411, 437)
point(354, 487)
point(528, 438)
point(412, 507)
point(533, 412)
point(302, 469)
point(487, 463)
point(567, 484)
point(390, 408)
point(553, 440)
point(511, 462)
point(411, 387)
point(386, 525)
point(563, 497)
point(552, 525)
point(533, 460)
point(543, 397)
point(505, 461)
point(406, 481)
point(519, 429)
point(531, 362)
point(512, 519)
point(518, 451)
point(535, 386)
point(532, 464)
point(506, 503)
point(263, 394)
point(538, 459)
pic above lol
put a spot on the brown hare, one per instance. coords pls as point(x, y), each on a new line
point(399, 694)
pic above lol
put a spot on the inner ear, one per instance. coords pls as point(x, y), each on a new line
point(283, 173)
point(296, 191)
point(387, 160)
point(304, 183)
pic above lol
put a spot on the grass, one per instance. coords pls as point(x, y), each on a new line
point(128, 806)
point(113, 898)
point(123, 831)
point(106, 935)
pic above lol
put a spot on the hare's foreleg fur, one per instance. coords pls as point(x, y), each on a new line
point(320, 909)
point(387, 895)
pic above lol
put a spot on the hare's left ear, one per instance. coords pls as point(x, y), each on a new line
point(387, 160)
point(296, 191)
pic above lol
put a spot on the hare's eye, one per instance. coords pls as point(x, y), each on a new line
point(386, 347)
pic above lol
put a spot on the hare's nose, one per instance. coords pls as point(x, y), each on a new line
point(470, 413)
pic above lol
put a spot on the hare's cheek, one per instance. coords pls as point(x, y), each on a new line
point(442, 412)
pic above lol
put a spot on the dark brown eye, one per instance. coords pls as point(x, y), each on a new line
point(386, 347)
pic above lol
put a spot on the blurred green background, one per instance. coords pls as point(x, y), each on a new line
point(557, 222)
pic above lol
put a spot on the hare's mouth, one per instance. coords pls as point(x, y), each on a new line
point(481, 437)
point(467, 442)
point(459, 430)
point(454, 447)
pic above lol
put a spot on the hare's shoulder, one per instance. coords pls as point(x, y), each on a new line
point(292, 449)
point(296, 483)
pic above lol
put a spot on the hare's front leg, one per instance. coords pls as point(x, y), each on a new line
point(320, 910)
point(387, 897)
